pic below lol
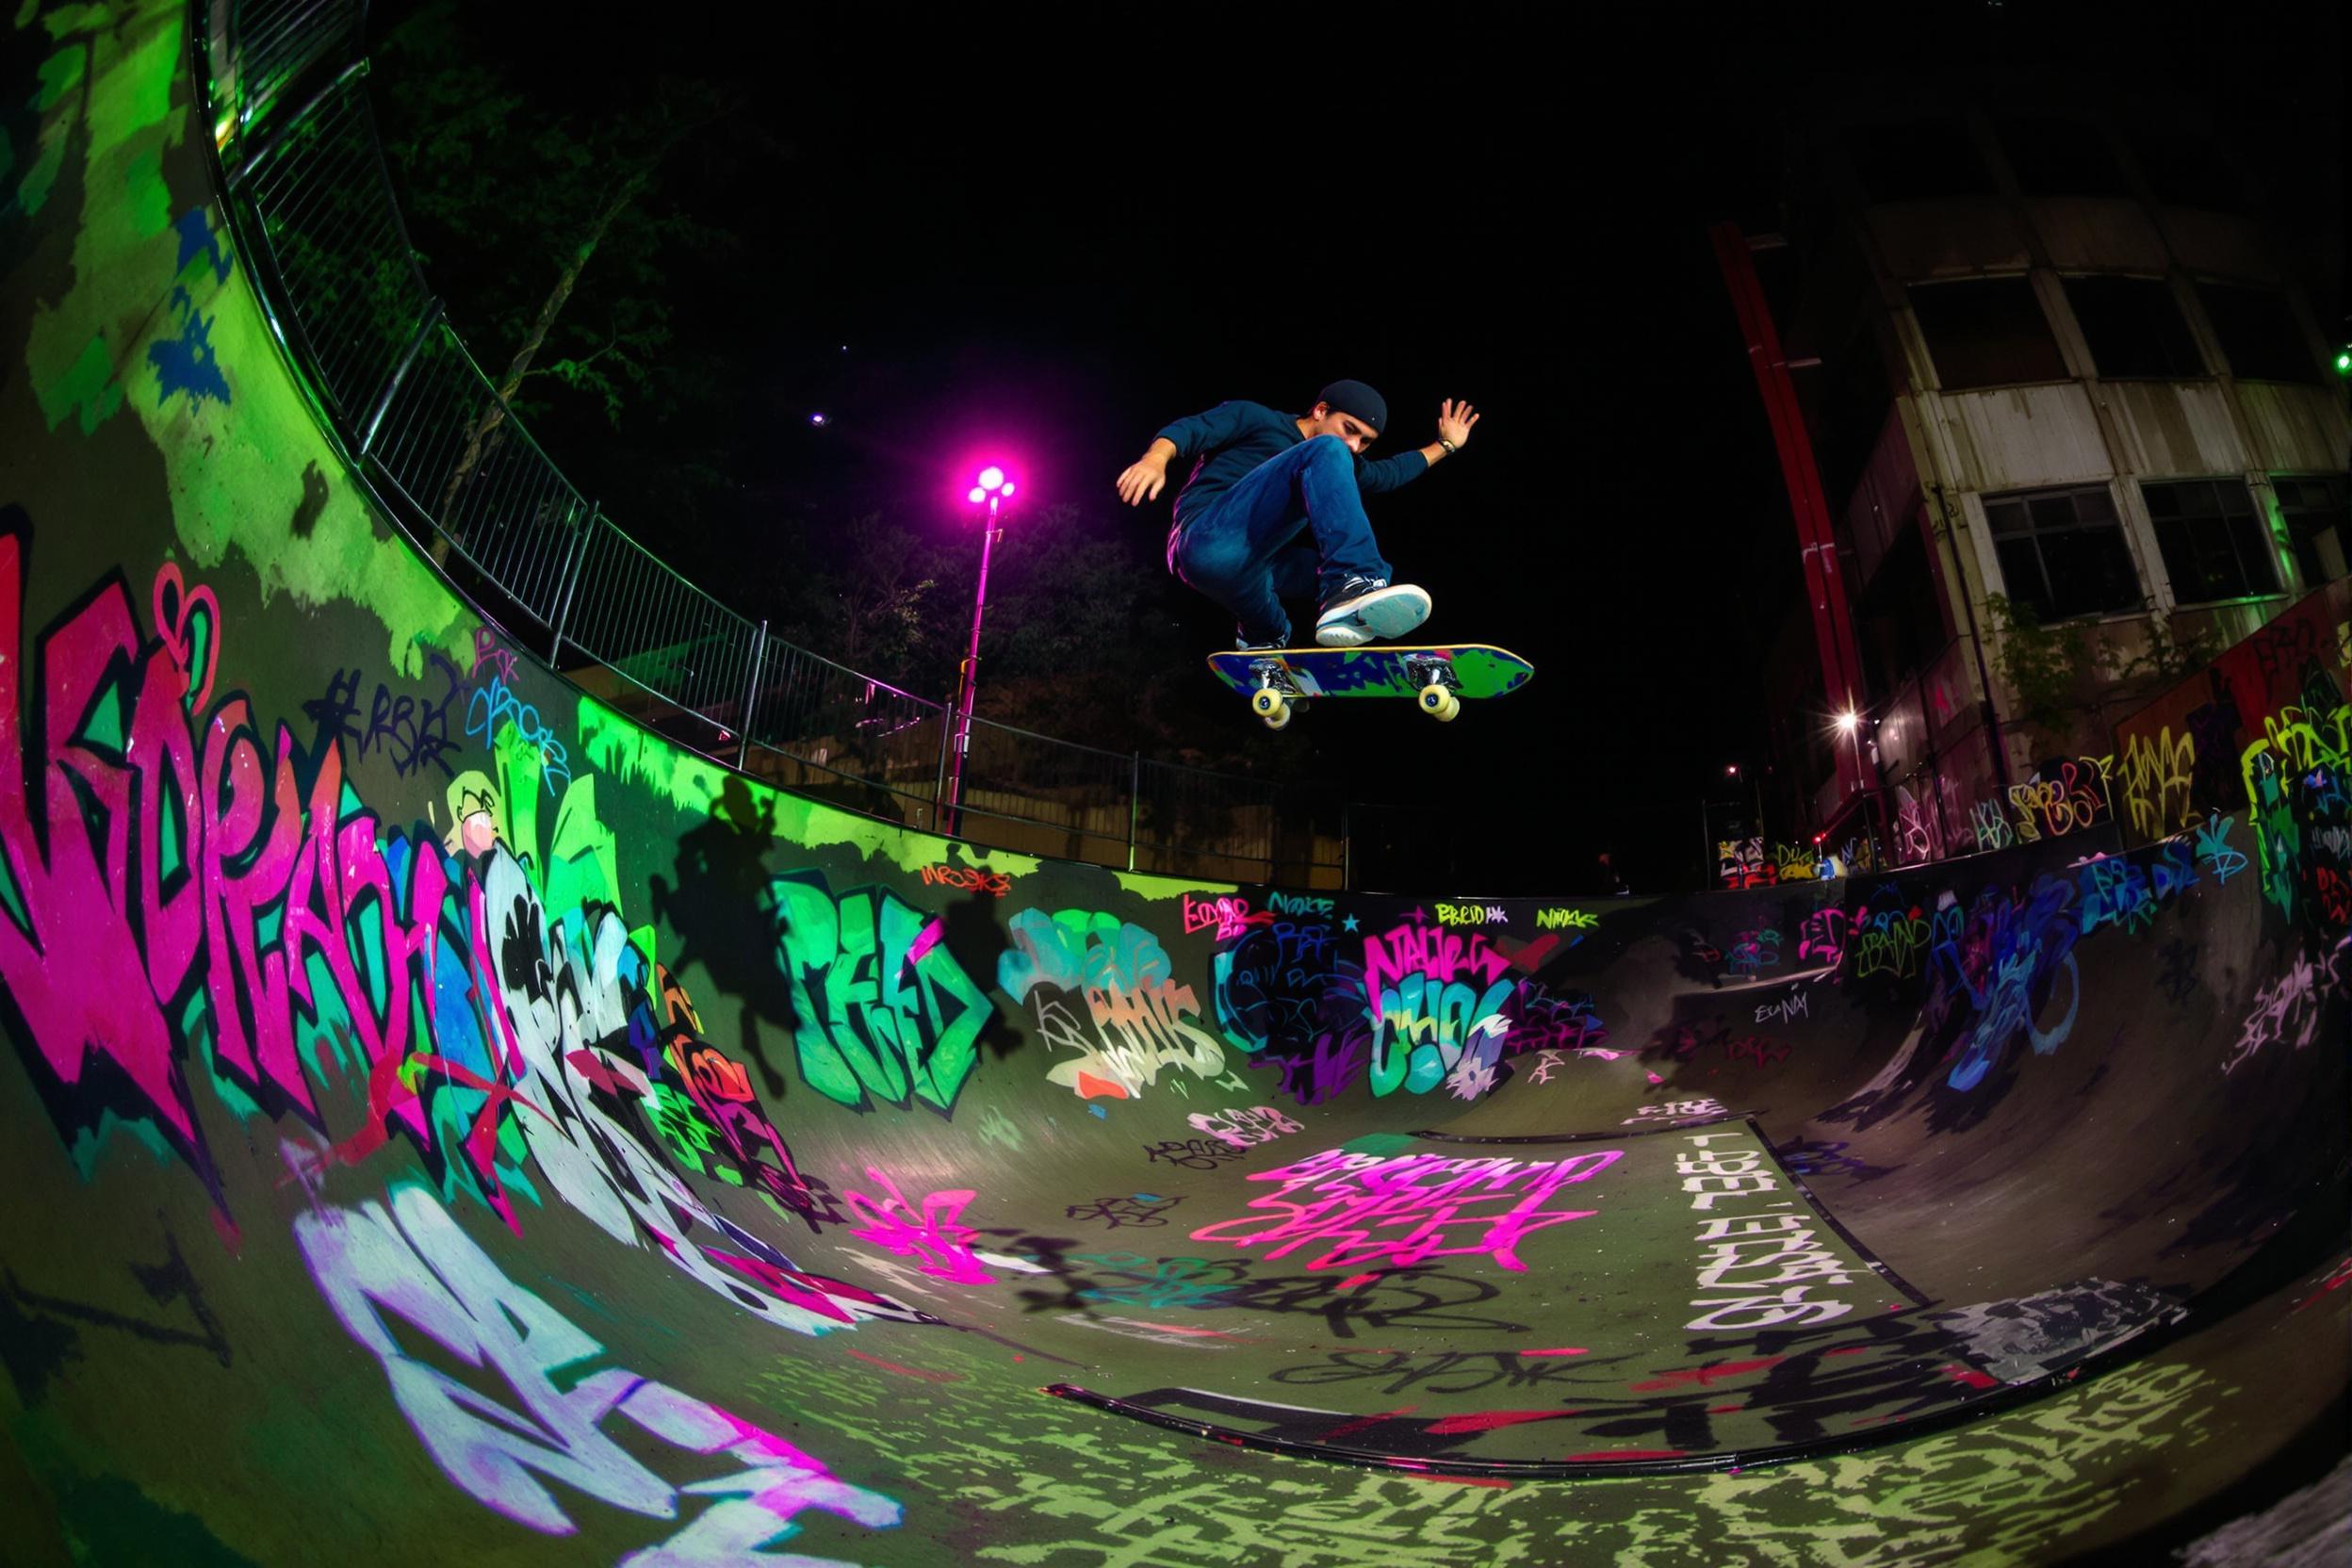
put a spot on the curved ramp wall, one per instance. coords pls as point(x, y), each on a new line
point(444, 1113)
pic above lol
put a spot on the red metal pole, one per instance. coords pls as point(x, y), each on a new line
point(1833, 626)
point(970, 684)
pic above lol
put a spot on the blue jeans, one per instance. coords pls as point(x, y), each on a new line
point(1238, 549)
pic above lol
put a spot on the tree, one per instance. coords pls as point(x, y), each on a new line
point(1085, 637)
point(552, 218)
point(865, 596)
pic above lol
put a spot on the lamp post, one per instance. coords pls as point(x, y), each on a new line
point(1847, 724)
point(989, 489)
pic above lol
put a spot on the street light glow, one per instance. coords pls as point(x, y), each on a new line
point(990, 489)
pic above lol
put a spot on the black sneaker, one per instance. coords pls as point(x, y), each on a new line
point(1367, 609)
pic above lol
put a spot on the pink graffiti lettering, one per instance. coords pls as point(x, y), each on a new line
point(2286, 1012)
point(182, 615)
point(492, 657)
point(1757, 1049)
point(930, 1232)
point(1441, 956)
point(1822, 938)
point(205, 844)
point(1370, 1212)
point(1228, 917)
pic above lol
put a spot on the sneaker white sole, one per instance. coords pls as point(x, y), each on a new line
point(1383, 613)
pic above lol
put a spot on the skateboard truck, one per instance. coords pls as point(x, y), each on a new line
point(1439, 685)
point(1277, 683)
point(1277, 696)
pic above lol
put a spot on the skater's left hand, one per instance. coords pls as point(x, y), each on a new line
point(1454, 421)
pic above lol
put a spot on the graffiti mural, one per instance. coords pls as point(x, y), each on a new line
point(406, 1263)
point(1288, 997)
point(1759, 1270)
point(1137, 1019)
point(1439, 1207)
point(1437, 1002)
point(389, 1015)
point(886, 1013)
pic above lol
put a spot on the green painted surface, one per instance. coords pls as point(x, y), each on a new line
point(61, 73)
point(86, 391)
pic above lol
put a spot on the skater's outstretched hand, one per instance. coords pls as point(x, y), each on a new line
point(1144, 480)
point(1454, 420)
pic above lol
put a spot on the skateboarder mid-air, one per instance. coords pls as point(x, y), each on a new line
point(1259, 480)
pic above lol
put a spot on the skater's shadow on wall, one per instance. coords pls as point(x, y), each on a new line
point(723, 918)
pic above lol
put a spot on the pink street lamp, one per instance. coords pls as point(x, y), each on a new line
point(991, 489)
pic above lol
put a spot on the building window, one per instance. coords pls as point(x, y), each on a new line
point(2258, 334)
point(2318, 515)
point(1899, 615)
point(1917, 160)
point(1985, 331)
point(2133, 328)
point(2216, 546)
point(2060, 157)
point(2062, 551)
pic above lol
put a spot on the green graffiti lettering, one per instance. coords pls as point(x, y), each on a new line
point(884, 1012)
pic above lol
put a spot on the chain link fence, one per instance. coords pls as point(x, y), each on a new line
point(313, 209)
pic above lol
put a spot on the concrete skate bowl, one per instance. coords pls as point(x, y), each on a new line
point(444, 1118)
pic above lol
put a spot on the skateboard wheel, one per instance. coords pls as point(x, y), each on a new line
point(1265, 702)
point(1279, 718)
point(1433, 700)
point(1452, 707)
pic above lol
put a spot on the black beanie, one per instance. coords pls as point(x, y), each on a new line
point(1354, 396)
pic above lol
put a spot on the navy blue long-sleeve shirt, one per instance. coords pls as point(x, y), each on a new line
point(1235, 438)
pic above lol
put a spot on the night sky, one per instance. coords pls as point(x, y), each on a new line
point(1051, 243)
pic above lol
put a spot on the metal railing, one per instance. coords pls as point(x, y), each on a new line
point(313, 202)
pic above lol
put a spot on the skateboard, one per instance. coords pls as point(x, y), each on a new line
point(1279, 681)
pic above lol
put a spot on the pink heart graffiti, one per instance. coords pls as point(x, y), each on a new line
point(176, 606)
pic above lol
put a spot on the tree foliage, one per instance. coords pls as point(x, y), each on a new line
point(1084, 638)
point(547, 226)
point(2039, 662)
point(556, 232)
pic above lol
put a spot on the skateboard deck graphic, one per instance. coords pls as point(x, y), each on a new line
point(1438, 677)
